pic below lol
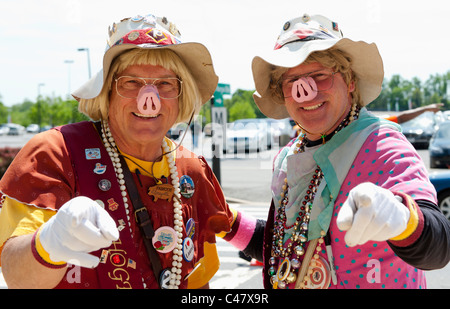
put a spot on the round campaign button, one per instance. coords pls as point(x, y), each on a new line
point(190, 227)
point(104, 185)
point(164, 279)
point(165, 239)
point(188, 249)
point(187, 187)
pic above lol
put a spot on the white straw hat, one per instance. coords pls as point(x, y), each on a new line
point(153, 32)
point(299, 38)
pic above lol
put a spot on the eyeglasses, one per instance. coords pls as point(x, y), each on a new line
point(324, 80)
point(129, 86)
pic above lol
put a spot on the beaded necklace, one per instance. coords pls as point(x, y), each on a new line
point(111, 148)
point(290, 255)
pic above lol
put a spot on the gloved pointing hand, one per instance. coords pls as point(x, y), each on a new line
point(371, 213)
point(80, 226)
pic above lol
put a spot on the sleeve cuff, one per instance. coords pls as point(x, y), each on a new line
point(41, 255)
point(242, 231)
point(415, 224)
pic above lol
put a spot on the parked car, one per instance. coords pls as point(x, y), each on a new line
point(33, 128)
point(45, 128)
point(217, 132)
point(439, 148)
point(282, 131)
point(248, 135)
point(441, 181)
point(15, 129)
point(446, 115)
point(4, 129)
point(419, 130)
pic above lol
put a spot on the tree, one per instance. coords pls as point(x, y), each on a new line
point(396, 92)
point(241, 109)
point(3, 112)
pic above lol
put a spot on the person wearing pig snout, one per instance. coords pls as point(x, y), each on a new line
point(113, 203)
point(352, 205)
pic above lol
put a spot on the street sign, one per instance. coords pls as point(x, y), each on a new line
point(223, 88)
point(219, 115)
point(218, 99)
point(219, 129)
point(219, 120)
point(218, 94)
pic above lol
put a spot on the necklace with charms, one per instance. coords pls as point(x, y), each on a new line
point(289, 261)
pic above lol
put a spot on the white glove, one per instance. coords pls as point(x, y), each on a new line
point(80, 226)
point(371, 213)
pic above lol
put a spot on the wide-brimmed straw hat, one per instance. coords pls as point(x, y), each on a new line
point(150, 32)
point(299, 38)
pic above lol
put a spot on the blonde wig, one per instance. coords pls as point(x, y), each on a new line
point(189, 100)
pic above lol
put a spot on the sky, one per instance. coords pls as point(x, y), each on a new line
point(39, 39)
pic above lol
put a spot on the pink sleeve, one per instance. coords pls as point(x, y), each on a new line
point(242, 231)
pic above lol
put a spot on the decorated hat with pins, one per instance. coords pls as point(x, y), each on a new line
point(150, 32)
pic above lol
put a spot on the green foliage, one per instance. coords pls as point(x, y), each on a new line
point(401, 94)
point(45, 112)
point(3, 113)
point(241, 109)
point(241, 105)
point(397, 93)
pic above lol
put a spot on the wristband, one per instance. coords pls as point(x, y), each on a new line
point(414, 218)
point(242, 231)
point(42, 256)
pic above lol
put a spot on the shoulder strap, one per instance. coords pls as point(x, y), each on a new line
point(143, 220)
point(87, 151)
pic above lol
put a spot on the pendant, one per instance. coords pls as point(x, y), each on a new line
point(279, 277)
point(284, 270)
point(161, 191)
point(319, 274)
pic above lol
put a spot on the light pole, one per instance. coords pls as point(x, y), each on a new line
point(69, 62)
point(39, 89)
point(88, 59)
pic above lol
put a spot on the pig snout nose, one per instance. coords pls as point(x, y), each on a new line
point(304, 89)
point(148, 101)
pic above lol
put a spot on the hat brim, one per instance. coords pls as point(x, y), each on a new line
point(194, 55)
point(366, 64)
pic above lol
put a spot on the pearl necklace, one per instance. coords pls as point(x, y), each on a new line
point(111, 148)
